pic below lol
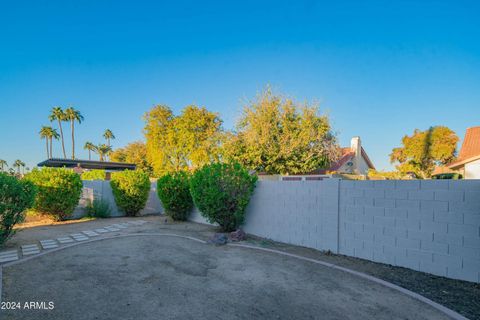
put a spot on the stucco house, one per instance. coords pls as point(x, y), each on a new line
point(468, 162)
point(353, 160)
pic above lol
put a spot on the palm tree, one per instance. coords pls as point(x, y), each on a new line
point(3, 164)
point(58, 114)
point(103, 150)
point(90, 147)
point(52, 134)
point(44, 135)
point(18, 164)
point(73, 115)
point(108, 134)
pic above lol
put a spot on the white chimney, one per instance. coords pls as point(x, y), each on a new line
point(356, 146)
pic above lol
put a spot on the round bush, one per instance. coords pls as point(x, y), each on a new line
point(59, 191)
point(16, 196)
point(174, 191)
point(130, 190)
point(221, 192)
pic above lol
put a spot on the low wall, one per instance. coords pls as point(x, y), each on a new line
point(98, 189)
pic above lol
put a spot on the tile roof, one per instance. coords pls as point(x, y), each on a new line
point(470, 147)
point(346, 155)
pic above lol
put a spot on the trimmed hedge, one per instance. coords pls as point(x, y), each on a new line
point(221, 192)
point(174, 191)
point(16, 196)
point(94, 175)
point(59, 191)
point(130, 190)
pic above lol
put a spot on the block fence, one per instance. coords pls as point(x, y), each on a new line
point(425, 225)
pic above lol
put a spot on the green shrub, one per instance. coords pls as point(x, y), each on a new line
point(93, 175)
point(452, 176)
point(221, 192)
point(98, 208)
point(59, 191)
point(130, 189)
point(174, 191)
point(16, 196)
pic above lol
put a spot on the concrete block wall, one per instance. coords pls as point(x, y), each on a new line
point(431, 226)
point(99, 189)
point(298, 212)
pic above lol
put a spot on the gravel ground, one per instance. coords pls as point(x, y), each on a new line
point(461, 296)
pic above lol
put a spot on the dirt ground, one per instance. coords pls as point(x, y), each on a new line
point(458, 295)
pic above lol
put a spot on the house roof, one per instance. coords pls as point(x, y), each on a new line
point(87, 164)
point(470, 148)
point(347, 154)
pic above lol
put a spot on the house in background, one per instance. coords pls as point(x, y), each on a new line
point(468, 162)
point(353, 160)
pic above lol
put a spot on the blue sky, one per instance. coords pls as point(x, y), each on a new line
point(379, 68)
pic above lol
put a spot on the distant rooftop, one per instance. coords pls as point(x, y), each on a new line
point(470, 147)
point(87, 164)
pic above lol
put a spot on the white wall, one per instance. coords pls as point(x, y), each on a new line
point(472, 170)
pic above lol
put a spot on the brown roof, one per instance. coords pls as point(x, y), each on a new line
point(346, 155)
point(470, 147)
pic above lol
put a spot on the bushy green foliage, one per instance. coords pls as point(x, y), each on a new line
point(174, 191)
point(15, 197)
point(221, 192)
point(130, 189)
point(452, 176)
point(59, 191)
point(98, 208)
point(93, 175)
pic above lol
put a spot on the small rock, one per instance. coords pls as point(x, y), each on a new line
point(218, 239)
point(238, 235)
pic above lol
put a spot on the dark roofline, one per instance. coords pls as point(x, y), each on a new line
point(86, 164)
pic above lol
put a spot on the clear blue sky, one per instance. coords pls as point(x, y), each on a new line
point(379, 68)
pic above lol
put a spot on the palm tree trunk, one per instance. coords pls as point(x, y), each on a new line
point(89, 154)
point(46, 145)
point(61, 136)
point(73, 139)
point(51, 142)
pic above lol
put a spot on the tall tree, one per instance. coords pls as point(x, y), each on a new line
point(73, 115)
point(90, 147)
point(58, 115)
point(49, 133)
point(424, 150)
point(103, 151)
point(3, 164)
point(44, 135)
point(108, 135)
point(136, 153)
point(181, 142)
point(18, 164)
point(277, 135)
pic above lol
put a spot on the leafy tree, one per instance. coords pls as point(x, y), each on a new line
point(182, 142)
point(58, 115)
point(108, 135)
point(276, 135)
point(90, 147)
point(3, 165)
point(423, 150)
point(73, 115)
point(136, 153)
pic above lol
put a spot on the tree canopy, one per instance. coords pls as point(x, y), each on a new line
point(278, 135)
point(182, 142)
point(424, 150)
point(135, 152)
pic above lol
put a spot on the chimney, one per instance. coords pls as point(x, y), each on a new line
point(356, 146)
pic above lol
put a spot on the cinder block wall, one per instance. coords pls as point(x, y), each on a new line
point(430, 225)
